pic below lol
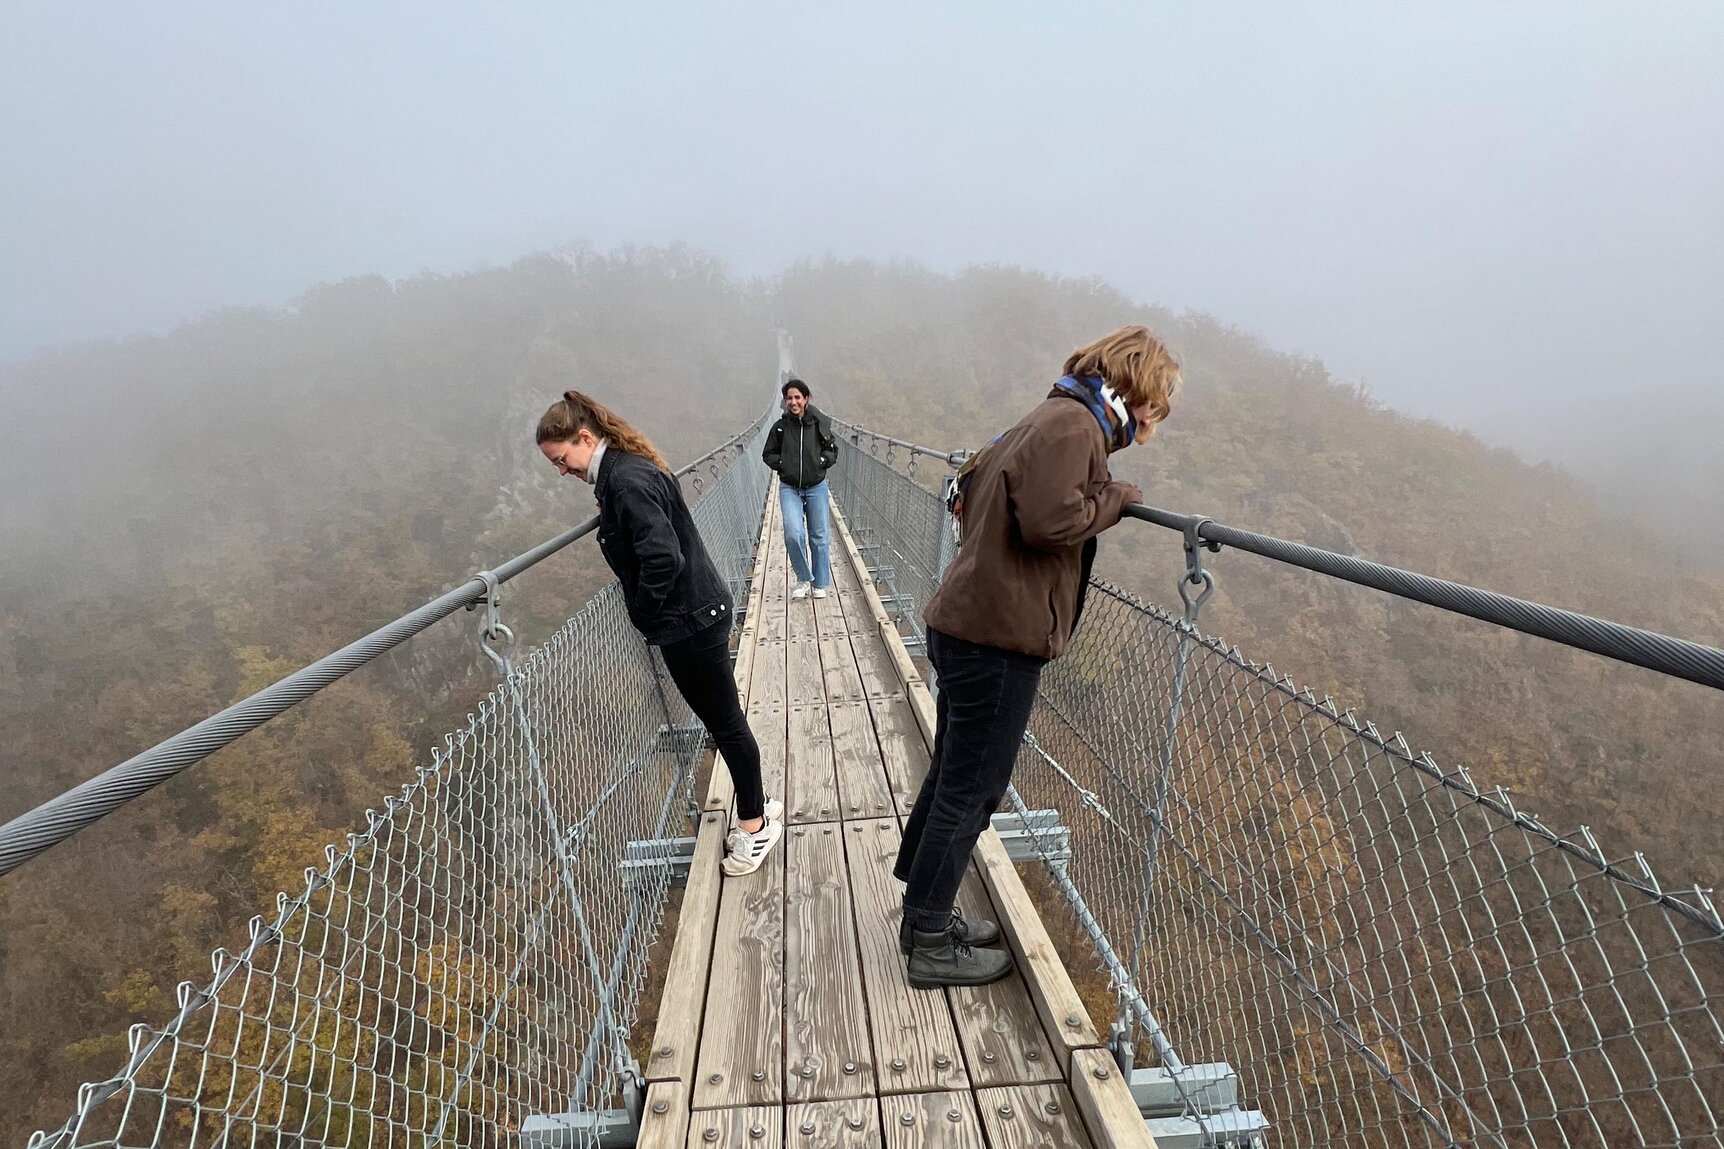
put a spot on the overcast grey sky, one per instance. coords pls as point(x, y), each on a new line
point(1485, 210)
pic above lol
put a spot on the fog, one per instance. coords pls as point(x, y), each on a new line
point(1507, 218)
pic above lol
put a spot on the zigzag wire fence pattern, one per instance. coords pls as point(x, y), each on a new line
point(1384, 953)
point(473, 956)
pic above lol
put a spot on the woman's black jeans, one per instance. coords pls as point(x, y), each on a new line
point(700, 667)
point(983, 708)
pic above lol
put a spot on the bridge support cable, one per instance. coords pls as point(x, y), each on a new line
point(1369, 948)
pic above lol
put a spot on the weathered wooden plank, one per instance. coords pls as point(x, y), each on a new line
point(829, 620)
point(1031, 1117)
point(755, 1127)
point(931, 1121)
point(1063, 1014)
point(997, 1024)
point(833, 1125)
point(805, 677)
point(863, 790)
point(915, 1043)
point(664, 1116)
point(771, 731)
point(767, 686)
point(879, 675)
point(826, 1049)
point(1104, 1101)
point(741, 1049)
point(811, 776)
point(676, 1039)
point(902, 751)
point(838, 666)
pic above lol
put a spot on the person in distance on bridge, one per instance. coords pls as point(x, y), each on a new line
point(675, 595)
point(1030, 506)
point(800, 449)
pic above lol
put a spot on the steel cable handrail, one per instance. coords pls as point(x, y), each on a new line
point(1676, 657)
point(57, 819)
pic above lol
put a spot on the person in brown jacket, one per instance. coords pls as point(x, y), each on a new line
point(1034, 501)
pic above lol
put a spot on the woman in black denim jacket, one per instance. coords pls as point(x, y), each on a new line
point(674, 593)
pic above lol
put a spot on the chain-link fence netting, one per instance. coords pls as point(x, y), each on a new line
point(473, 957)
point(898, 525)
point(1366, 948)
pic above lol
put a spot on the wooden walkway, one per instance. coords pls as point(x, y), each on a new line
point(786, 1020)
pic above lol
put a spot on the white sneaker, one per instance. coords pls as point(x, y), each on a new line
point(743, 852)
point(819, 592)
point(801, 591)
point(774, 810)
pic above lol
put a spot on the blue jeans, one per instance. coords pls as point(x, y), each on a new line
point(986, 695)
point(807, 530)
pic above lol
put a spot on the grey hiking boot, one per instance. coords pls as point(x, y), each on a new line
point(980, 932)
point(939, 959)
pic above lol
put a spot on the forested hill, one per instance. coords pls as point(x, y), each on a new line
point(188, 517)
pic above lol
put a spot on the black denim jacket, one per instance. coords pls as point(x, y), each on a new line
point(649, 539)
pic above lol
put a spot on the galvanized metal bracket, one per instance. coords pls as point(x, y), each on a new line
point(1197, 1108)
point(605, 1128)
point(1034, 836)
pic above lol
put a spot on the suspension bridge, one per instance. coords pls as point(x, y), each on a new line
point(1241, 915)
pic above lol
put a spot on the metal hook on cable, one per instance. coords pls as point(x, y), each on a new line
point(493, 630)
point(1195, 575)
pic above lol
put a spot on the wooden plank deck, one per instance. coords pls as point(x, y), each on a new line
point(807, 1032)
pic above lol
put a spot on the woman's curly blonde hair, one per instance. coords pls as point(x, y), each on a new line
point(1136, 364)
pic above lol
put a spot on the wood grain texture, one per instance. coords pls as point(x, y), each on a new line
point(676, 1038)
point(916, 1045)
point(931, 1121)
point(811, 779)
point(664, 1116)
point(1032, 1117)
point(1063, 1014)
point(833, 1125)
point(863, 789)
point(767, 685)
point(997, 1024)
point(902, 752)
point(754, 1127)
point(742, 1035)
point(806, 680)
point(829, 620)
point(826, 1048)
point(838, 665)
point(1104, 1101)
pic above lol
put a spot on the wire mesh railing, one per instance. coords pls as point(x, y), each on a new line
point(1300, 915)
point(472, 959)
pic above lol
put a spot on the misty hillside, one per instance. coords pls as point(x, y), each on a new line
point(188, 517)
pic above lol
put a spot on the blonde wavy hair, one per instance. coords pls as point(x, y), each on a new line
point(576, 412)
point(1135, 364)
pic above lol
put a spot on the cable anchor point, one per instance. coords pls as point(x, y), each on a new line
point(1195, 574)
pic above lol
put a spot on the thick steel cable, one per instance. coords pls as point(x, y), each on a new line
point(1676, 657)
point(57, 819)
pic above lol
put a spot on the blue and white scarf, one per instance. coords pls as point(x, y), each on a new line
point(1118, 424)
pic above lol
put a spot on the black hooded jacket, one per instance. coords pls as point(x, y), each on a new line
point(669, 582)
point(801, 451)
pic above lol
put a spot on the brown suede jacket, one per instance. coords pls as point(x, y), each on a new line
point(1035, 503)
